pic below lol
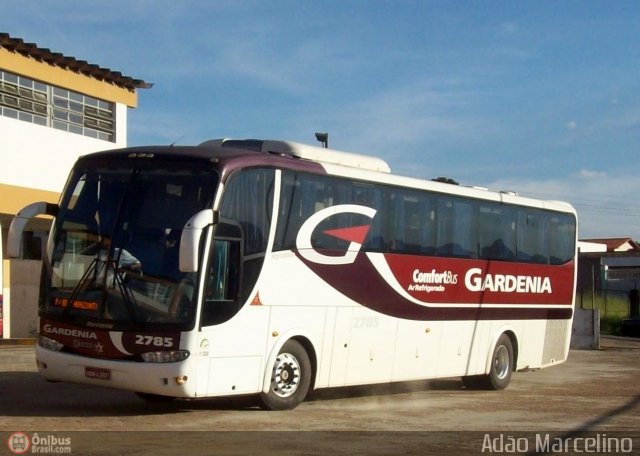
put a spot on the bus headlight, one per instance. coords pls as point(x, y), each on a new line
point(171, 356)
point(49, 344)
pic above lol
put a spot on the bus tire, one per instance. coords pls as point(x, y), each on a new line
point(501, 367)
point(290, 378)
point(500, 370)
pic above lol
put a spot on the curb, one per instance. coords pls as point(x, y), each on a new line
point(17, 342)
point(627, 338)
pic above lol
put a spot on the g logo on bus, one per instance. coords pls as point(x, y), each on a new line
point(354, 234)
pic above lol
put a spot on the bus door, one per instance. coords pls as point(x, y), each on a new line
point(234, 335)
point(226, 362)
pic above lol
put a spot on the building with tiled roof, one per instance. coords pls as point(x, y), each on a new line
point(622, 244)
point(53, 108)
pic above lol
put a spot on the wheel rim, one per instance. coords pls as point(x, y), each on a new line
point(501, 362)
point(285, 377)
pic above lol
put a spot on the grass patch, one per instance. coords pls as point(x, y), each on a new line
point(611, 304)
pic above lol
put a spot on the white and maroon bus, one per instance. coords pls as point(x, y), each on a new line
point(271, 268)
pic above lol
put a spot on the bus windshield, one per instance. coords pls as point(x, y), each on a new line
point(113, 252)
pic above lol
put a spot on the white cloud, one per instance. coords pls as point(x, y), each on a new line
point(405, 124)
point(607, 203)
point(589, 174)
point(625, 118)
point(250, 60)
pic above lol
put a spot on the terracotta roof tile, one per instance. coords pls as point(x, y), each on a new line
point(71, 63)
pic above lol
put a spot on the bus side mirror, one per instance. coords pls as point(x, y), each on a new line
point(19, 222)
point(190, 239)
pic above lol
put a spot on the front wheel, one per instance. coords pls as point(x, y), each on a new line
point(290, 378)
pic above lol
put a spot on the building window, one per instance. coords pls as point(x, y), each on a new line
point(32, 101)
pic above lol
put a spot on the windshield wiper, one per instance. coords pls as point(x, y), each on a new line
point(92, 273)
point(81, 285)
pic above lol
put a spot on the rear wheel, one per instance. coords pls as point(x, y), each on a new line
point(501, 364)
point(500, 371)
point(290, 378)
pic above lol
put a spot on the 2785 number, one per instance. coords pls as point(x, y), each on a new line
point(155, 341)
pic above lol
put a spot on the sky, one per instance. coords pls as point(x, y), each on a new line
point(538, 97)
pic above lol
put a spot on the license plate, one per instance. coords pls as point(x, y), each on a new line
point(97, 373)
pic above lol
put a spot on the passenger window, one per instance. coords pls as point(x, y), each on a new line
point(455, 228)
point(413, 221)
point(248, 199)
point(301, 196)
point(496, 232)
point(562, 233)
point(532, 237)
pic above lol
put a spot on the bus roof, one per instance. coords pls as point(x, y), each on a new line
point(333, 162)
point(305, 151)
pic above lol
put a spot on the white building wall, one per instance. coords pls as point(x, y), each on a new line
point(40, 157)
point(588, 247)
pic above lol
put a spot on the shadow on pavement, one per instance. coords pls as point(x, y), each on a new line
point(28, 394)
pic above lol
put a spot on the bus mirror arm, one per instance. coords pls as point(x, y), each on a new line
point(19, 222)
point(190, 238)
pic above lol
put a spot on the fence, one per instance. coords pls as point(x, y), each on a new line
point(611, 303)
